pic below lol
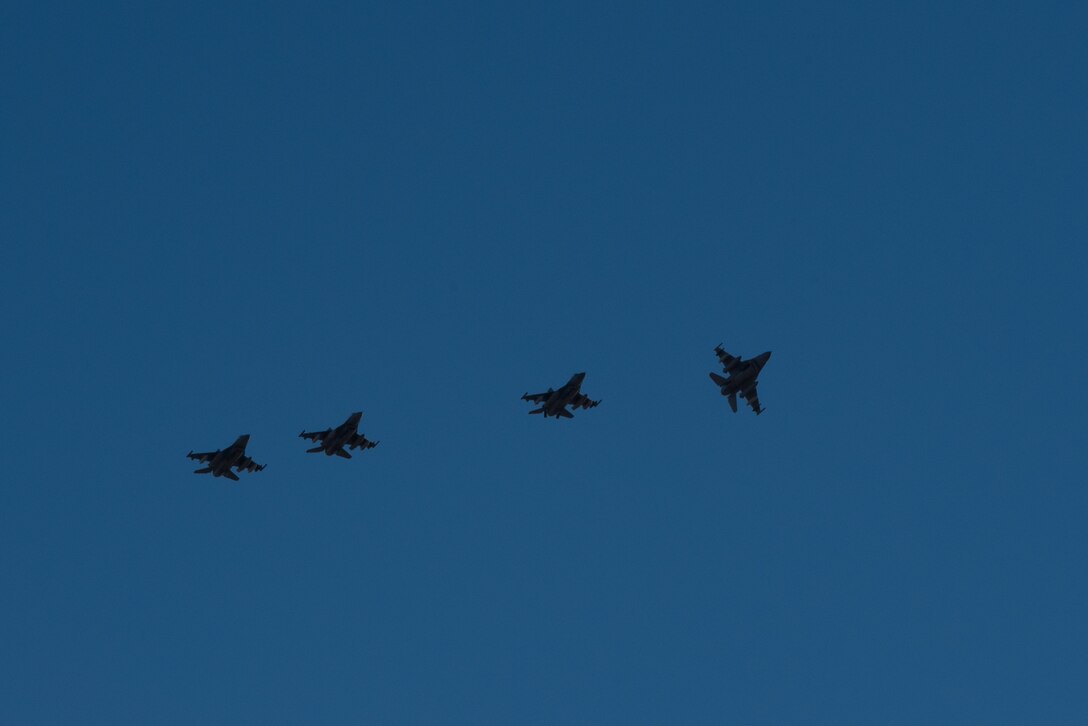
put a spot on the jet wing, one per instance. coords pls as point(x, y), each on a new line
point(247, 464)
point(318, 436)
point(202, 457)
point(537, 397)
point(727, 360)
point(581, 400)
point(750, 395)
point(358, 441)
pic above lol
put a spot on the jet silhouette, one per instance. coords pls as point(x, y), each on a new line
point(220, 462)
point(556, 402)
point(333, 441)
point(742, 378)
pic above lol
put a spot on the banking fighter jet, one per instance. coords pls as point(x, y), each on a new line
point(221, 461)
point(333, 441)
point(555, 402)
point(741, 378)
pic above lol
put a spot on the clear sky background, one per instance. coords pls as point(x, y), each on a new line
point(225, 218)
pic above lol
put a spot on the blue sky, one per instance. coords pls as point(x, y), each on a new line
point(260, 218)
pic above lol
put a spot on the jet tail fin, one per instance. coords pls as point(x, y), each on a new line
point(733, 402)
point(343, 454)
point(205, 470)
point(230, 475)
point(539, 410)
point(718, 379)
point(565, 413)
point(315, 450)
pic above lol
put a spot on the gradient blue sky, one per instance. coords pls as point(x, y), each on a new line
point(258, 217)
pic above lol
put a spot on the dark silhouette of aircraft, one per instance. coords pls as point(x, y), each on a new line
point(556, 402)
point(220, 462)
point(333, 441)
point(742, 378)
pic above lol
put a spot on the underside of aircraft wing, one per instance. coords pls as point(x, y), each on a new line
point(205, 456)
point(247, 464)
point(315, 435)
point(537, 397)
point(727, 360)
point(582, 401)
point(752, 398)
point(358, 441)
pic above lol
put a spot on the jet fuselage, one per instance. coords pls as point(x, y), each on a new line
point(743, 373)
point(560, 399)
point(224, 460)
point(342, 434)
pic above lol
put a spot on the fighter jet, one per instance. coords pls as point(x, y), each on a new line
point(556, 402)
point(742, 378)
point(333, 441)
point(220, 462)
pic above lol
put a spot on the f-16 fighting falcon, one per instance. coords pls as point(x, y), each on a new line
point(556, 402)
point(742, 378)
point(333, 441)
point(220, 462)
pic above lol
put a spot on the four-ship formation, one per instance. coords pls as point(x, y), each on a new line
point(741, 379)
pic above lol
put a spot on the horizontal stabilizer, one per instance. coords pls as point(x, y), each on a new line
point(565, 413)
point(733, 402)
point(718, 379)
point(205, 470)
point(539, 410)
point(343, 454)
point(230, 475)
point(315, 450)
